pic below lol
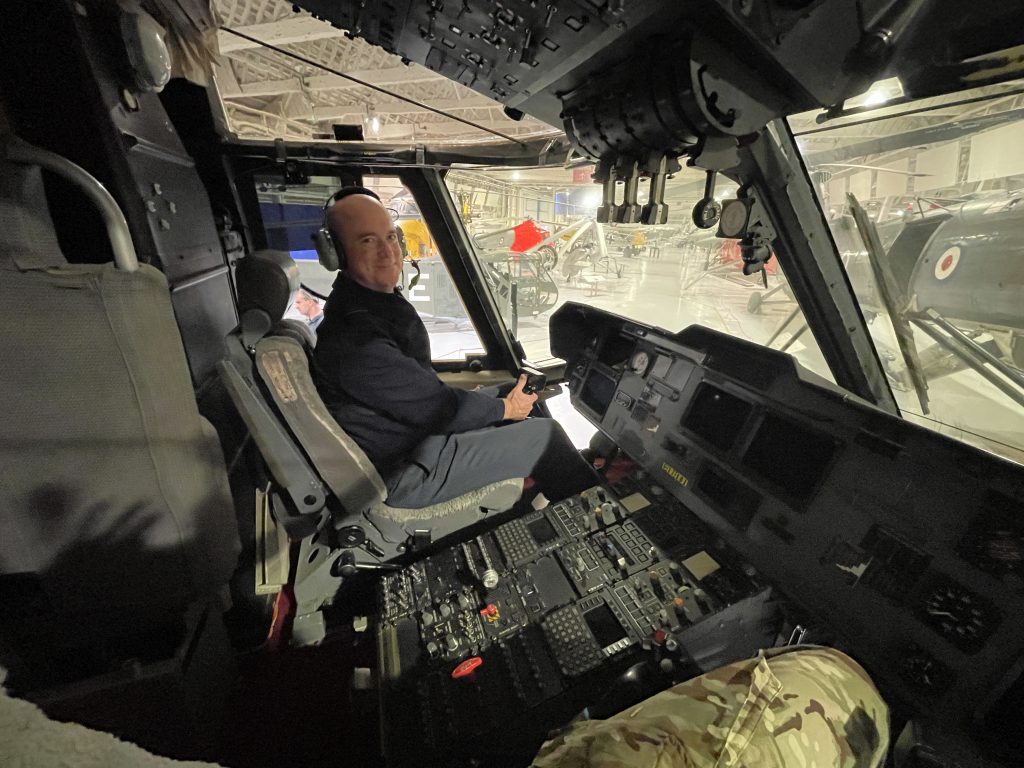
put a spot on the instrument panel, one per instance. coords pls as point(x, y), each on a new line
point(487, 645)
point(907, 545)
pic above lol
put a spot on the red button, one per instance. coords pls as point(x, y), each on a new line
point(490, 610)
point(467, 667)
point(659, 637)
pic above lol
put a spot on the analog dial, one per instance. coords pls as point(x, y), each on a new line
point(639, 362)
point(923, 672)
point(733, 222)
point(962, 617)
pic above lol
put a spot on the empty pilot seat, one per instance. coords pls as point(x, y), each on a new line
point(328, 494)
point(116, 519)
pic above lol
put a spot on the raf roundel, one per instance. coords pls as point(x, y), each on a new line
point(947, 262)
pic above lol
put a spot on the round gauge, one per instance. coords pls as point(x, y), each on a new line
point(959, 615)
point(733, 222)
point(706, 212)
point(639, 362)
point(923, 672)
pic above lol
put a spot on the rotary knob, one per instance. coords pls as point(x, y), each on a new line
point(490, 578)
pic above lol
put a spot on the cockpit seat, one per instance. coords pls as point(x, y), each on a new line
point(116, 517)
point(329, 496)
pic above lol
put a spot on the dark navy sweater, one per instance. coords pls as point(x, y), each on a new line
point(374, 374)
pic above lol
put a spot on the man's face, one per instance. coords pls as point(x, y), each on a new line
point(307, 305)
point(370, 240)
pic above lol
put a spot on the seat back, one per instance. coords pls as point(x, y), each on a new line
point(342, 465)
point(115, 511)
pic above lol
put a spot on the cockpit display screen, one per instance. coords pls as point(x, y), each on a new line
point(994, 541)
point(604, 625)
point(716, 416)
point(792, 457)
point(615, 350)
point(597, 391)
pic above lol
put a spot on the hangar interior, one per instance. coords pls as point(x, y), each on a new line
point(958, 157)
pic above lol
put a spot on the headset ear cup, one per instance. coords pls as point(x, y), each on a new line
point(326, 250)
point(339, 251)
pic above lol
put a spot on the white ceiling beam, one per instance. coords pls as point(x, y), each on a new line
point(381, 77)
point(389, 76)
point(453, 127)
point(286, 31)
point(224, 76)
point(267, 88)
point(296, 105)
point(382, 108)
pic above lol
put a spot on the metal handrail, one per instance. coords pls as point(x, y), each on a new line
point(125, 257)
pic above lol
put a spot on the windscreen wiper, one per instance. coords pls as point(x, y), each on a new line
point(893, 299)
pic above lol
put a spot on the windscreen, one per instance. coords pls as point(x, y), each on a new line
point(539, 245)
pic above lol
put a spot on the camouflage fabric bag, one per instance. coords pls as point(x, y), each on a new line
point(792, 707)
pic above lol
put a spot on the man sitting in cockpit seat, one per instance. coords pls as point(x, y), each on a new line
point(794, 706)
point(429, 441)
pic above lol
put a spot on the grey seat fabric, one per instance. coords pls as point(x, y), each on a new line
point(114, 503)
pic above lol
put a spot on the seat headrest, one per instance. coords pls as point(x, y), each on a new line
point(266, 280)
point(297, 331)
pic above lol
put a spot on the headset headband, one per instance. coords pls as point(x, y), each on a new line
point(345, 192)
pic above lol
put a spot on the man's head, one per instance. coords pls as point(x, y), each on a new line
point(364, 228)
point(307, 306)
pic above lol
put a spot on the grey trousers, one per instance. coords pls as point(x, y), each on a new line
point(445, 466)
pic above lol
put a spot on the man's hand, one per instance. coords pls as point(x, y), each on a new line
point(518, 404)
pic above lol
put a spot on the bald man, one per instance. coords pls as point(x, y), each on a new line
point(429, 441)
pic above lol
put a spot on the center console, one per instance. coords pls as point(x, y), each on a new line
point(487, 645)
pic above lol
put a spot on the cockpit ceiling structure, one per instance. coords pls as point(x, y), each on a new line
point(618, 76)
point(269, 94)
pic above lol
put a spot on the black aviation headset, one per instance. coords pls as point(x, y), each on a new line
point(329, 248)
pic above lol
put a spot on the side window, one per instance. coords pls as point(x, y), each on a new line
point(292, 215)
point(947, 312)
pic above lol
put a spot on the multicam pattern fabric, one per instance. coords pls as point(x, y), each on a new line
point(788, 707)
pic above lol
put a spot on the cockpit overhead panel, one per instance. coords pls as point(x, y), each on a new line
point(671, 72)
point(630, 78)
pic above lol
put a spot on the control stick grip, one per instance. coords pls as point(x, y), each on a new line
point(535, 380)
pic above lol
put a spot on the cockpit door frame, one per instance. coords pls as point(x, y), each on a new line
point(442, 218)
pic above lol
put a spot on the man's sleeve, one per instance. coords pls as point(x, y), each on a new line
point(377, 374)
